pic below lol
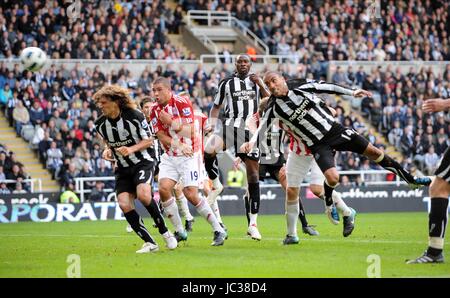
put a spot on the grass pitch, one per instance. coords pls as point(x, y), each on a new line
point(106, 250)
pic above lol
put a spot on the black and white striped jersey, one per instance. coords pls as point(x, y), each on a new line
point(302, 112)
point(240, 99)
point(318, 87)
point(271, 142)
point(156, 150)
point(128, 129)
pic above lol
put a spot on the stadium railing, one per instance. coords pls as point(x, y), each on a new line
point(225, 19)
point(31, 181)
point(378, 177)
point(207, 42)
point(82, 191)
point(210, 61)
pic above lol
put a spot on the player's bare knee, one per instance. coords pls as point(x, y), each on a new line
point(125, 205)
point(292, 193)
point(317, 190)
point(439, 188)
point(144, 196)
point(191, 194)
point(165, 193)
point(332, 177)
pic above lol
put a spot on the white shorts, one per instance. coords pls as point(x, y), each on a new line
point(203, 175)
point(179, 168)
point(297, 166)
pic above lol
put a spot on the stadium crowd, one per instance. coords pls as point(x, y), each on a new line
point(395, 110)
point(327, 30)
point(11, 169)
point(129, 31)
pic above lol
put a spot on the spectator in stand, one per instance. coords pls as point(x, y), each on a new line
point(69, 177)
point(54, 159)
point(43, 146)
point(2, 173)
point(21, 117)
point(87, 172)
point(407, 141)
point(15, 175)
point(37, 115)
point(5, 95)
point(431, 161)
point(4, 190)
point(19, 188)
point(98, 194)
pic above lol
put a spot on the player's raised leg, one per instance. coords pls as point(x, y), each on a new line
point(390, 164)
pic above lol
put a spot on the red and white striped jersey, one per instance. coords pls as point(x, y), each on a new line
point(296, 145)
point(180, 108)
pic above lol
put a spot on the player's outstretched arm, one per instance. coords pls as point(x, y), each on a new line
point(322, 87)
point(143, 144)
point(436, 105)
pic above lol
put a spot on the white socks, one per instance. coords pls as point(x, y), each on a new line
point(204, 210)
point(182, 203)
point(292, 212)
point(216, 211)
point(340, 204)
point(214, 206)
point(216, 183)
point(253, 218)
point(171, 211)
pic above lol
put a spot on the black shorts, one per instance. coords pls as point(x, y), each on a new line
point(127, 179)
point(443, 171)
point(271, 170)
point(339, 138)
point(234, 137)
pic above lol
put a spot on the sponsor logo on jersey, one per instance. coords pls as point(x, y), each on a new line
point(125, 133)
point(186, 111)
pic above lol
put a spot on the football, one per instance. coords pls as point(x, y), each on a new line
point(33, 59)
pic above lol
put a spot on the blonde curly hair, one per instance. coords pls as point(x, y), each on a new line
point(116, 93)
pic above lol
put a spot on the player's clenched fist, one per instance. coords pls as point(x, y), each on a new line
point(125, 151)
point(107, 155)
